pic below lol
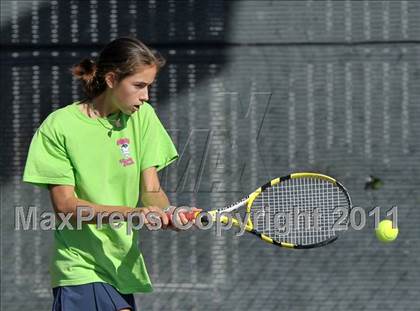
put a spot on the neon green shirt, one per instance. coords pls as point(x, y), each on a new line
point(69, 148)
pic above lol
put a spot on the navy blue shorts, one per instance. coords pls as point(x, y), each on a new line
point(91, 297)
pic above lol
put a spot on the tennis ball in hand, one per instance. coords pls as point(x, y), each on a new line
point(385, 232)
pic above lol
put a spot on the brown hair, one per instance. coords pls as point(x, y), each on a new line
point(123, 56)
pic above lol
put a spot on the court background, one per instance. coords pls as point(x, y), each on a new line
point(252, 90)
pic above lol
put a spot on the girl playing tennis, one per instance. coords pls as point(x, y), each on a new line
point(101, 153)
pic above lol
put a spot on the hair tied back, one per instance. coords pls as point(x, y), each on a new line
point(86, 70)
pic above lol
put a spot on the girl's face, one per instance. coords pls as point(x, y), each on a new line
point(129, 93)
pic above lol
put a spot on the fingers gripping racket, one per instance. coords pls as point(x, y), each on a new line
point(309, 203)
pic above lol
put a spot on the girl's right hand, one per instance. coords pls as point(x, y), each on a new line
point(154, 217)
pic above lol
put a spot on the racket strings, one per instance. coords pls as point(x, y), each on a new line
point(286, 212)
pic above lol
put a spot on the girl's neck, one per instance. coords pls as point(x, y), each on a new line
point(97, 108)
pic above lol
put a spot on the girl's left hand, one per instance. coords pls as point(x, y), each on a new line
point(180, 218)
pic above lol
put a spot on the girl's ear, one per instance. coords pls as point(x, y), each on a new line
point(110, 79)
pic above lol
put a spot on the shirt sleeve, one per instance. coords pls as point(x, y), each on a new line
point(157, 147)
point(47, 162)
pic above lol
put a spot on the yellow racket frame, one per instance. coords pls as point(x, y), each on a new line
point(250, 226)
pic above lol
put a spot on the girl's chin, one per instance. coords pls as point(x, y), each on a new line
point(131, 110)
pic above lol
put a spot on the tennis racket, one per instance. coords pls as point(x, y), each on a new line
point(314, 207)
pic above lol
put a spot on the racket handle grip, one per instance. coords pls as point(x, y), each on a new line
point(193, 215)
point(189, 215)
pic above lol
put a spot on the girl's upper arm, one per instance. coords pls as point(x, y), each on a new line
point(59, 194)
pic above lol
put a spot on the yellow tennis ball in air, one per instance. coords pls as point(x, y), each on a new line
point(385, 232)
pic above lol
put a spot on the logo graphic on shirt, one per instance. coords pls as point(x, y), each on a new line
point(125, 151)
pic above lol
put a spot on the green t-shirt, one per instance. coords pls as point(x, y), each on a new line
point(69, 148)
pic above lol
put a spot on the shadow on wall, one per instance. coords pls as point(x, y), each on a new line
point(41, 41)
